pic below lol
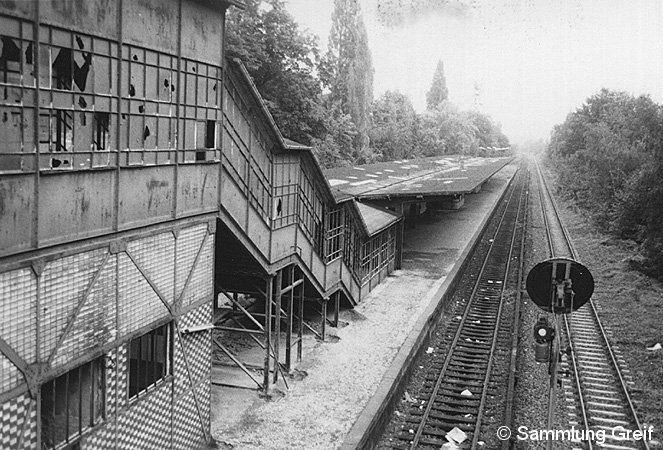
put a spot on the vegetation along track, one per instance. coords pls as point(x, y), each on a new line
point(457, 386)
point(598, 395)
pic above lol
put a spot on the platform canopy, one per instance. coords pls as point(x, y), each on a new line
point(422, 177)
point(376, 219)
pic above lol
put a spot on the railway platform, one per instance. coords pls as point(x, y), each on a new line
point(343, 383)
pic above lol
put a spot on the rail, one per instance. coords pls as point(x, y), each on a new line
point(462, 383)
point(584, 330)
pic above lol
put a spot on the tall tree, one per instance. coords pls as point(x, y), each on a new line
point(393, 134)
point(347, 71)
point(282, 60)
point(438, 91)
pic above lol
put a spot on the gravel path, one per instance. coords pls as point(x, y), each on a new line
point(320, 416)
point(318, 411)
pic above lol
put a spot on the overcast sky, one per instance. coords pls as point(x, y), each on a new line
point(533, 61)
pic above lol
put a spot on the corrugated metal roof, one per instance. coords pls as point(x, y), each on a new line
point(376, 219)
point(434, 176)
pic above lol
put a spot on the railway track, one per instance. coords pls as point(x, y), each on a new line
point(598, 396)
point(458, 385)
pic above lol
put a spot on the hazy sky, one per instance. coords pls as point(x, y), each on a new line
point(533, 61)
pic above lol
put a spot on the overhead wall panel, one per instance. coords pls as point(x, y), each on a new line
point(151, 23)
point(76, 205)
point(203, 36)
point(16, 213)
point(89, 16)
point(145, 195)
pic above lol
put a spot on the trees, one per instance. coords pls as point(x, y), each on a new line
point(282, 61)
point(609, 156)
point(438, 91)
point(347, 71)
point(393, 134)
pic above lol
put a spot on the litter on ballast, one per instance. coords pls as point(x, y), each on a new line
point(409, 398)
point(456, 435)
point(466, 393)
point(656, 346)
point(430, 350)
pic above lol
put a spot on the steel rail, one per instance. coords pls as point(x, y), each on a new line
point(459, 331)
point(511, 382)
point(551, 247)
point(482, 404)
point(598, 323)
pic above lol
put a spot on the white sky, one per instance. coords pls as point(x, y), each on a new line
point(534, 61)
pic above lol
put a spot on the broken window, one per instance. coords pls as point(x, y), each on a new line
point(10, 63)
point(71, 404)
point(68, 70)
point(150, 359)
point(101, 130)
point(210, 134)
point(64, 122)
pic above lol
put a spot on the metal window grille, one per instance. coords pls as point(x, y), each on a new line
point(150, 360)
point(311, 212)
point(72, 403)
point(334, 235)
point(376, 254)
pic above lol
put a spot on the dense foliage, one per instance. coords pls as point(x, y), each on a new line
point(326, 101)
point(609, 155)
point(347, 71)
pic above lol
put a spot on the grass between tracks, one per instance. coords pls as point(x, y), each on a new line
point(630, 305)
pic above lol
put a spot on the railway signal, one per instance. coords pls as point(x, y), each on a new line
point(543, 337)
point(560, 285)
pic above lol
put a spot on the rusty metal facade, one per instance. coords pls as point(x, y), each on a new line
point(125, 139)
point(110, 117)
point(110, 144)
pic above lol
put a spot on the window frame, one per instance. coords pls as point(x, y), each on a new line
point(97, 413)
point(150, 382)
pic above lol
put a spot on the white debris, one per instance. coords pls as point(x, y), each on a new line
point(449, 446)
point(456, 435)
point(466, 393)
point(409, 398)
point(430, 350)
point(657, 346)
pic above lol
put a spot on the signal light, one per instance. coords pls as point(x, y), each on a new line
point(543, 336)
